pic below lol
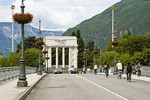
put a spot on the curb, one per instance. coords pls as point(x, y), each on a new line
point(25, 94)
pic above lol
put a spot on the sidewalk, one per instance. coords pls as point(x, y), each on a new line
point(142, 78)
point(10, 91)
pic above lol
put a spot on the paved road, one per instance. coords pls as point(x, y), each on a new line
point(89, 87)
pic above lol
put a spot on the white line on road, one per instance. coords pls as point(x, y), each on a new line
point(103, 88)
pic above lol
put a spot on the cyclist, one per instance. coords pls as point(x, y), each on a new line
point(106, 69)
point(119, 67)
point(138, 69)
point(95, 69)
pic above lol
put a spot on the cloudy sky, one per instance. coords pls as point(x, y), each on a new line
point(56, 14)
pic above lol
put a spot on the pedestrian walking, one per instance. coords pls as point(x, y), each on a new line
point(106, 69)
point(95, 69)
point(119, 67)
point(129, 72)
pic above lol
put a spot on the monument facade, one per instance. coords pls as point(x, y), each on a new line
point(63, 42)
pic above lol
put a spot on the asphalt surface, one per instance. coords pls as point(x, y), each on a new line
point(89, 87)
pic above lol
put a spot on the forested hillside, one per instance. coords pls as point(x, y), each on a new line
point(131, 16)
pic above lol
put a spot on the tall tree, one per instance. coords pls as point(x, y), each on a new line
point(80, 49)
point(29, 42)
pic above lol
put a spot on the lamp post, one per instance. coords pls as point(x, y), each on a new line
point(12, 7)
point(113, 35)
point(22, 74)
point(39, 32)
point(113, 28)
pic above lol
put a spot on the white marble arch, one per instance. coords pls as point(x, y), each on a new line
point(62, 42)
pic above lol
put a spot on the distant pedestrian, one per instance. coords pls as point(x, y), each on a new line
point(95, 69)
point(119, 67)
point(138, 69)
point(106, 69)
point(129, 72)
point(100, 68)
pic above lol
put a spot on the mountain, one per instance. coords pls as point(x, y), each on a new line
point(131, 16)
point(6, 32)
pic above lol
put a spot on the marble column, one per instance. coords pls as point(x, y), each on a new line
point(63, 57)
point(70, 57)
point(56, 57)
point(50, 58)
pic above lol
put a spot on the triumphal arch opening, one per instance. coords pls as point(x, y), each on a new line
point(62, 43)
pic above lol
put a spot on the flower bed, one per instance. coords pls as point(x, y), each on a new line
point(114, 43)
point(95, 51)
point(45, 51)
point(47, 58)
point(39, 43)
point(22, 18)
point(84, 57)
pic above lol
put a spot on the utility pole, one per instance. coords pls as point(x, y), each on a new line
point(12, 7)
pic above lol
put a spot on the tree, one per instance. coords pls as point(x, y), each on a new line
point(108, 57)
point(80, 49)
point(124, 58)
point(32, 57)
point(4, 62)
point(14, 59)
point(73, 34)
point(90, 45)
point(29, 42)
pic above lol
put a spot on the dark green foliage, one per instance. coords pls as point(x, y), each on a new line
point(80, 48)
point(73, 34)
point(131, 17)
point(14, 59)
point(90, 45)
point(134, 49)
point(32, 57)
point(29, 42)
point(133, 44)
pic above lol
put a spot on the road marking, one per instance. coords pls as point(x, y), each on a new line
point(103, 88)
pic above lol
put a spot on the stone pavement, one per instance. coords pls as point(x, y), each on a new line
point(10, 91)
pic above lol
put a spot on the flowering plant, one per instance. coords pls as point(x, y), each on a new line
point(83, 60)
point(47, 58)
point(39, 43)
point(84, 57)
point(95, 51)
point(45, 51)
point(114, 43)
point(23, 18)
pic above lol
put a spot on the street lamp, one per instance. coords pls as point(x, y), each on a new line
point(12, 7)
point(22, 74)
point(39, 32)
point(113, 35)
point(113, 29)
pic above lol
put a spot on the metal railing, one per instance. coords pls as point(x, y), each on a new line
point(13, 72)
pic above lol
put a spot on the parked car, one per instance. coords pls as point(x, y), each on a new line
point(72, 70)
point(58, 71)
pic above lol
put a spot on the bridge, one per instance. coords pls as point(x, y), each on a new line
point(77, 87)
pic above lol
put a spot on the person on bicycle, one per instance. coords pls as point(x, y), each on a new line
point(138, 69)
point(119, 67)
point(106, 69)
point(129, 72)
point(95, 69)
